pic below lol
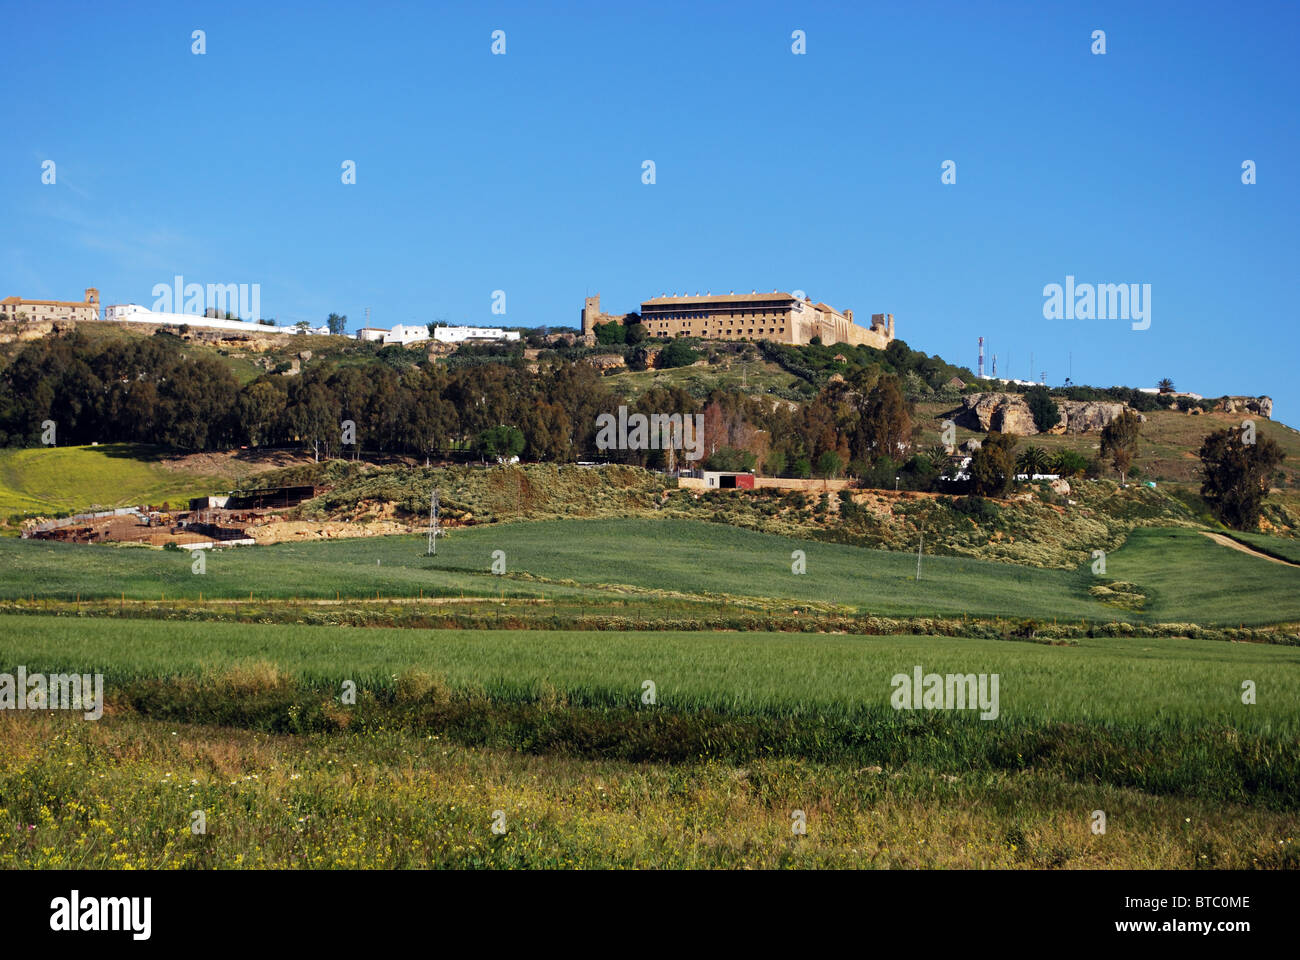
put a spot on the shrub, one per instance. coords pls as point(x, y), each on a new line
point(977, 508)
point(1043, 407)
point(679, 353)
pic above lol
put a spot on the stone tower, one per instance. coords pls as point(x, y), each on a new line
point(590, 317)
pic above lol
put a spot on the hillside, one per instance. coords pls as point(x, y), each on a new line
point(54, 481)
point(1036, 527)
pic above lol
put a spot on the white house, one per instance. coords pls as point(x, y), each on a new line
point(415, 333)
point(462, 334)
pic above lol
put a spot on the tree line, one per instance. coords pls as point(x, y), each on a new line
point(150, 390)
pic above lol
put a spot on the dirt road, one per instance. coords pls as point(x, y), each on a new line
point(1225, 541)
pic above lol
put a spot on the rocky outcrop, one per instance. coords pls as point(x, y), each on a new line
point(1009, 413)
point(1084, 416)
point(24, 331)
point(1260, 406)
point(1004, 412)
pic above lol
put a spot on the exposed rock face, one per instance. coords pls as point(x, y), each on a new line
point(24, 331)
point(1260, 406)
point(1083, 416)
point(1009, 413)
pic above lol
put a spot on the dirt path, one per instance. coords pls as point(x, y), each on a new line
point(1225, 541)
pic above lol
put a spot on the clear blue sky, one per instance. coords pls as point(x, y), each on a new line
point(818, 172)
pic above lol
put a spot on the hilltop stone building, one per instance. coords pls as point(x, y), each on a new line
point(779, 317)
point(45, 310)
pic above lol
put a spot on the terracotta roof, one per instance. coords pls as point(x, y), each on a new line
point(717, 298)
point(51, 303)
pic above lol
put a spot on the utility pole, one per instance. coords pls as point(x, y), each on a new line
point(433, 523)
point(919, 544)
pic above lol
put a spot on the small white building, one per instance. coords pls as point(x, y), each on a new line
point(463, 334)
point(407, 334)
point(415, 333)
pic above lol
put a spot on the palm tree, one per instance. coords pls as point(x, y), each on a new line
point(1032, 460)
point(1165, 385)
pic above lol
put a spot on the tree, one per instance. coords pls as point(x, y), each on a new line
point(775, 463)
point(1069, 463)
point(679, 353)
point(1165, 385)
point(993, 465)
point(337, 323)
point(829, 464)
point(302, 326)
point(1043, 407)
point(501, 442)
point(884, 427)
point(1033, 460)
point(636, 333)
point(730, 460)
point(608, 334)
point(1236, 475)
point(1119, 441)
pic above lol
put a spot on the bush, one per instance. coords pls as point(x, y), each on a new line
point(610, 333)
point(678, 353)
point(1069, 463)
point(504, 442)
point(977, 508)
point(880, 475)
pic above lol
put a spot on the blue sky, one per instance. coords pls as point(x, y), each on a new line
point(818, 172)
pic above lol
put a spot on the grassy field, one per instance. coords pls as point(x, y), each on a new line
point(245, 723)
point(755, 377)
point(50, 480)
point(119, 794)
point(1284, 548)
point(1185, 577)
point(1188, 577)
point(1099, 680)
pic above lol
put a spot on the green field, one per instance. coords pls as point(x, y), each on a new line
point(59, 480)
point(1157, 682)
point(1189, 578)
point(1284, 548)
point(246, 722)
point(1185, 577)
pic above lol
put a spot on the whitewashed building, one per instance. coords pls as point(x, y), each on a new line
point(415, 333)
